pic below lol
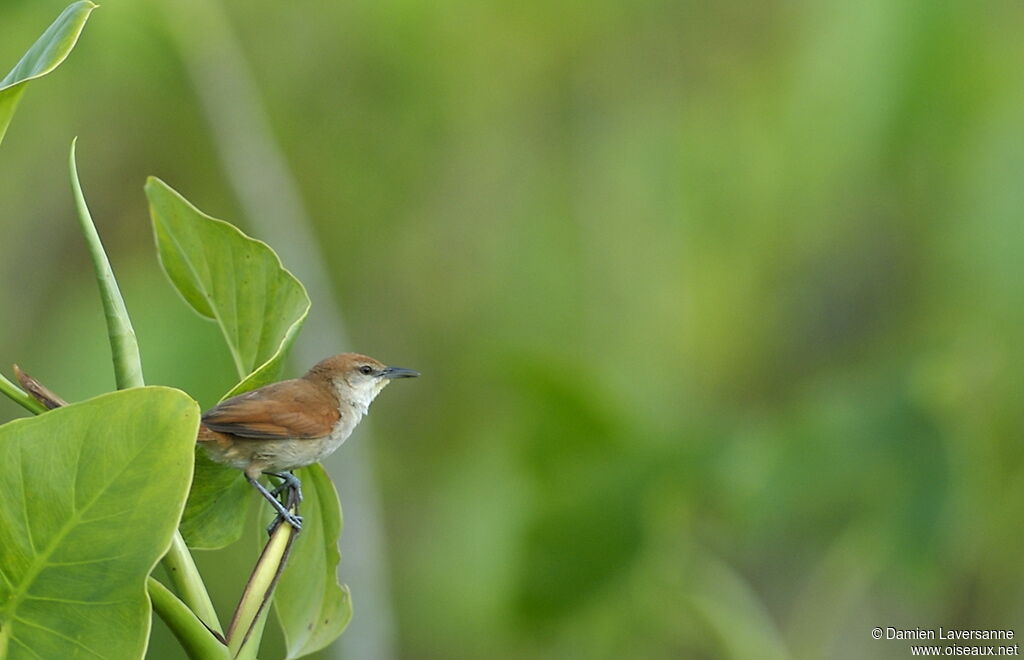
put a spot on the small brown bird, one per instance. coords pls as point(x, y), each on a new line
point(287, 425)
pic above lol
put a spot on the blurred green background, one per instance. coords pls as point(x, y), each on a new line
point(718, 305)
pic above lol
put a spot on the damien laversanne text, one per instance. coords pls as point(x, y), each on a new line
point(945, 633)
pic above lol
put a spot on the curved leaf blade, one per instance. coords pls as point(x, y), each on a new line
point(312, 608)
point(239, 283)
point(124, 346)
point(230, 278)
point(45, 55)
point(92, 495)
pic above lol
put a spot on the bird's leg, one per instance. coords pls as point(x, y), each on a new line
point(291, 501)
point(290, 484)
point(283, 514)
point(289, 481)
point(278, 487)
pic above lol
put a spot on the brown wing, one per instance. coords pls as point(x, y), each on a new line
point(289, 409)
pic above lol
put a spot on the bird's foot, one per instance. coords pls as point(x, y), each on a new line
point(288, 482)
point(283, 513)
point(290, 518)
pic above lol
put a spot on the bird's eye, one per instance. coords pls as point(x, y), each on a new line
point(366, 370)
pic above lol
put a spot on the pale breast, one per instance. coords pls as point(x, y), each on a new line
point(339, 434)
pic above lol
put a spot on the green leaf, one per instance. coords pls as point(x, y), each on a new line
point(312, 608)
point(43, 57)
point(235, 280)
point(124, 347)
point(239, 283)
point(217, 507)
point(92, 495)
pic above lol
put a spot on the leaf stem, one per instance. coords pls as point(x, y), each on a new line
point(183, 574)
point(197, 640)
point(251, 646)
point(250, 616)
point(15, 394)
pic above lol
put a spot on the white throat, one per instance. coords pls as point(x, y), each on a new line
point(359, 398)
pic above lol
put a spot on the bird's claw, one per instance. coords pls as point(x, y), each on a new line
point(289, 482)
point(290, 518)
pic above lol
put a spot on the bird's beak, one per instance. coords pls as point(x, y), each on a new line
point(399, 372)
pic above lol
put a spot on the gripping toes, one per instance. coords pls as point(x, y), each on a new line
point(292, 519)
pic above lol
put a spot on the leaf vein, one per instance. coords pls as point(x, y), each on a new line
point(42, 559)
point(26, 647)
point(72, 601)
point(84, 562)
point(59, 634)
point(24, 498)
point(211, 300)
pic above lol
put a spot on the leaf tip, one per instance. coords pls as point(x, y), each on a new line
point(154, 182)
point(73, 166)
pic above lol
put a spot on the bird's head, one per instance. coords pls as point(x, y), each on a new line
point(357, 379)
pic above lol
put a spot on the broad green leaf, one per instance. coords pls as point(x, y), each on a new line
point(217, 507)
point(232, 279)
point(239, 283)
point(92, 493)
point(312, 608)
point(43, 57)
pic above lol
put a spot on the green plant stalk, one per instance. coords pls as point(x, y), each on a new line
point(183, 574)
point(199, 643)
point(128, 372)
point(15, 394)
point(251, 646)
point(247, 624)
point(123, 344)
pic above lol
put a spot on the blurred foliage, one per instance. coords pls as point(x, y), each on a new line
point(717, 304)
